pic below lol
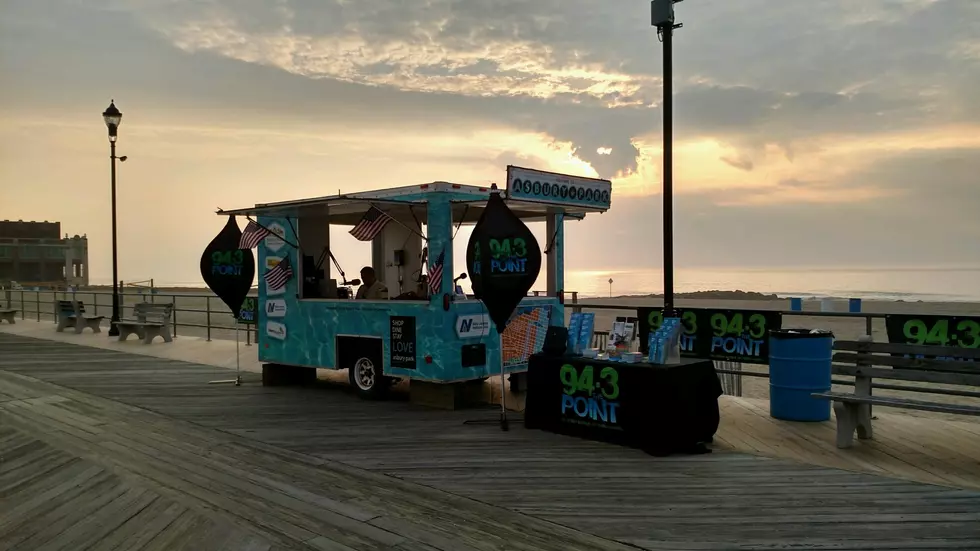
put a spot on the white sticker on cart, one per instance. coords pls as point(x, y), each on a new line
point(275, 308)
point(275, 241)
point(477, 325)
point(275, 330)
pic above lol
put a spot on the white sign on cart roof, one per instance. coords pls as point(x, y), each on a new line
point(538, 186)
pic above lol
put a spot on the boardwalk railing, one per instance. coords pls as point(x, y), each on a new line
point(195, 314)
point(201, 314)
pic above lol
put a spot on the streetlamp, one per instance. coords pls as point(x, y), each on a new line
point(113, 117)
point(662, 17)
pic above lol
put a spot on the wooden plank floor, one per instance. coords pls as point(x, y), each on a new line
point(53, 499)
point(920, 446)
point(923, 449)
point(319, 468)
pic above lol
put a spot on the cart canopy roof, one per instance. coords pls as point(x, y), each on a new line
point(467, 203)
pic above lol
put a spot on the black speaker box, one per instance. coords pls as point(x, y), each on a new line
point(555, 341)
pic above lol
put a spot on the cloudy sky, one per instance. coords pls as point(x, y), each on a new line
point(817, 132)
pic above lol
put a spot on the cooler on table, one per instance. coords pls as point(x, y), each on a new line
point(799, 365)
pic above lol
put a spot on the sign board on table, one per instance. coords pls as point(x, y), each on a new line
point(717, 334)
point(660, 408)
point(249, 312)
point(590, 396)
point(403, 346)
point(538, 186)
point(931, 330)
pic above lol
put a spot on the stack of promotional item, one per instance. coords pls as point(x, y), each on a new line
point(665, 343)
point(580, 329)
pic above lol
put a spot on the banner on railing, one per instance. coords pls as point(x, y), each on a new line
point(729, 335)
point(931, 330)
point(249, 312)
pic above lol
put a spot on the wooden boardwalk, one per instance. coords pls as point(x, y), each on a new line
point(936, 450)
point(919, 446)
point(107, 450)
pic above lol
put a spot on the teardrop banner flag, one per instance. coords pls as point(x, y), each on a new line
point(226, 269)
point(503, 259)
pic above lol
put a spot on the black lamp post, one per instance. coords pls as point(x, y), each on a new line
point(113, 117)
point(662, 17)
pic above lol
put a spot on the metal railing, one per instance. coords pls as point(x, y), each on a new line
point(195, 314)
point(202, 314)
point(205, 315)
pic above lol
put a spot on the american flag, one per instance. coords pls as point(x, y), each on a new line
point(252, 236)
point(435, 274)
point(371, 225)
point(277, 277)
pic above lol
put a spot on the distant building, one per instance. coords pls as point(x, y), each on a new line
point(34, 253)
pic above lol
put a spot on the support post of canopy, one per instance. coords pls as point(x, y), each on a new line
point(555, 253)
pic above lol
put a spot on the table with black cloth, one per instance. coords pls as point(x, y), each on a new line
point(662, 409)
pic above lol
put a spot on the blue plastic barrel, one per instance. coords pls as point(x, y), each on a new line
point(799, 365)
point(796, 304)
point(854, 305)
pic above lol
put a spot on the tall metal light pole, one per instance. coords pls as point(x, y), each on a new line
point(113, 117)
point(662, 17)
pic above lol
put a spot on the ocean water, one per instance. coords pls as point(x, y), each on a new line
point(952, 284)
point(947, 284)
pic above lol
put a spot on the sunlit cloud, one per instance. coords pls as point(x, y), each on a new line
point(420, 62)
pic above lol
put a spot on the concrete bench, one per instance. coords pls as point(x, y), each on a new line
point(9, 315)
point(149, 321)
point(71, 313)
point(866, 361)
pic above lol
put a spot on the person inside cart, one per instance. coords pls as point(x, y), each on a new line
point(371, 288)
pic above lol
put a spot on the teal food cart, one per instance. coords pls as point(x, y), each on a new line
point(438, 337)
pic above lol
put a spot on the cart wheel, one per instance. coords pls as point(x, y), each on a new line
point(366, 377)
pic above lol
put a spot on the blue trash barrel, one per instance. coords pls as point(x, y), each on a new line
point(796, 304)
point(799, 364)
point(854, 305)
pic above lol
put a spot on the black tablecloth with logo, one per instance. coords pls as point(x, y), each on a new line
point(661, 409)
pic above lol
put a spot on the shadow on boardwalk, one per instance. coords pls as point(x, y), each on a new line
point(317, 468)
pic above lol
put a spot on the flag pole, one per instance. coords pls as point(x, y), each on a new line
point(504, 425)
point(238, 356)
point(286, 241)
point(395, 220)
point(238, 376)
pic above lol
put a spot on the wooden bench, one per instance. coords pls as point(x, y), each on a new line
point(149, 321)
point(866, 361)
point(9, 315)
point(71, 313)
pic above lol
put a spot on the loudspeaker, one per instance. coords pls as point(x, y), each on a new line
point(555, 341)
point(473, 355)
